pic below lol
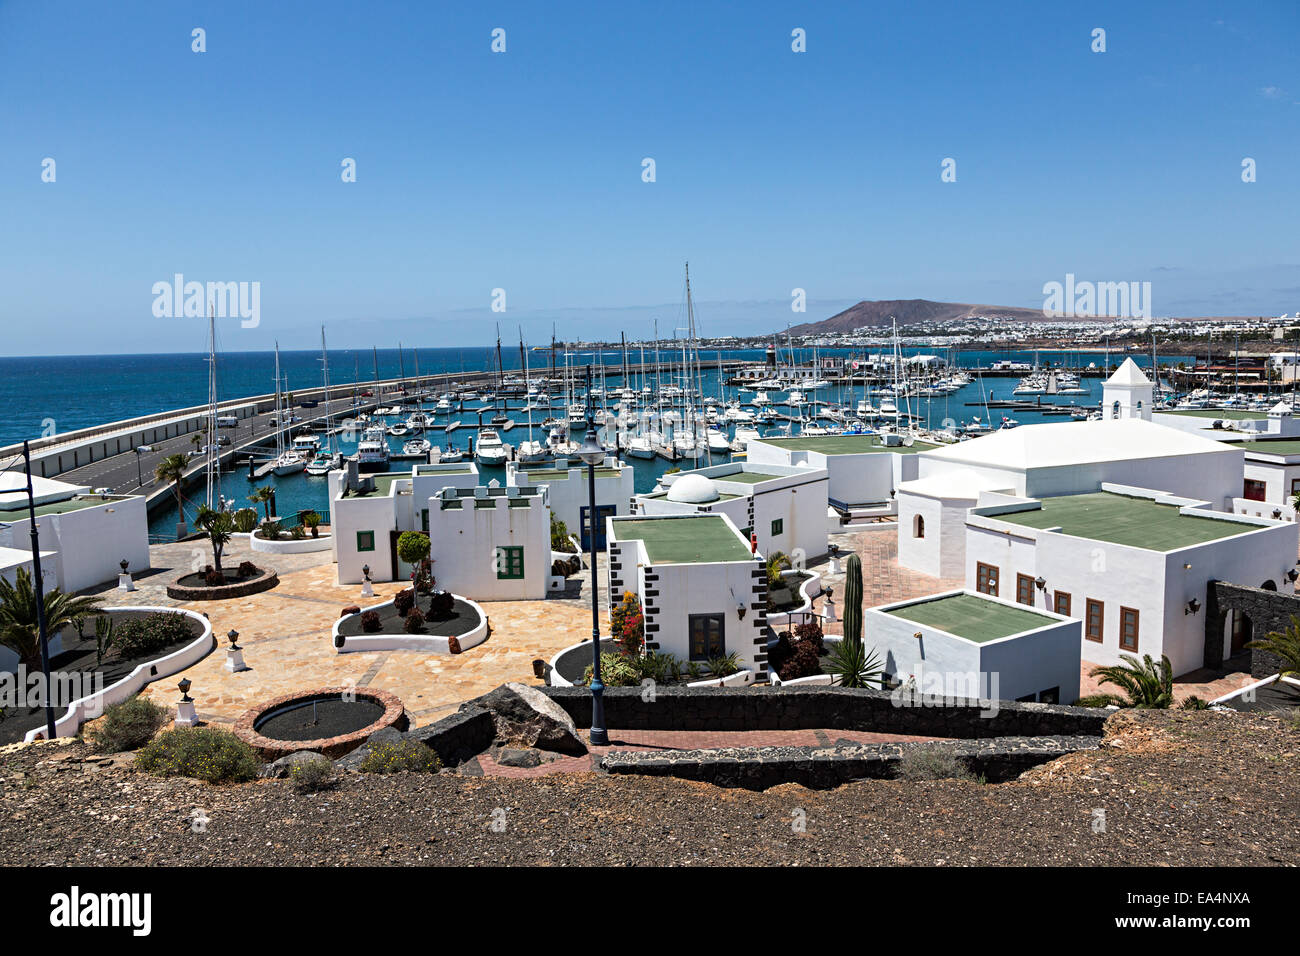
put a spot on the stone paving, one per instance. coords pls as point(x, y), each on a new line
point(285, 634)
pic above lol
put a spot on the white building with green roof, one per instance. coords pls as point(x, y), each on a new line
point(702, 589)
point(783, 507)
point(971, 645)
point(570, 496)
point(1132, 564)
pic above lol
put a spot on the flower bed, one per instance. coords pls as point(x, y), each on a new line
point(248, 727)
point(120, 678)
point(809, 589)
point(194, 586)
point(465, 627)
point(288, 545)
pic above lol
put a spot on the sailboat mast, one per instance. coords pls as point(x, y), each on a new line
point(213, 464)
point(325, 370)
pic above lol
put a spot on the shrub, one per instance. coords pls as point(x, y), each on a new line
point(214, 579)
point(929, 763)
point(398, 756)
point(780, 652)
point(271, 530)
point(414, 621)
point(296, 533)
point(403, 601)
point(247, 569)
point(350, 609)
point(1096, 700)
point(128, 725)
point(370, 622)
point(215, 756)
point(413, 546)
point(560, 536)
point(441, 604)
point(1194, 703)
point(811, 630)
point(616, 670)
point(658, 667)
point(627, 624)
point(852, 665)
point(148, 635)
point(311, 520)
point(724, 666)
point(245, 520)
point(312, 775)
point(804, 661)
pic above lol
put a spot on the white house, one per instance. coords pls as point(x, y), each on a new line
point(783, 507)
point(491, 543)
point(971, 645)
point(702, 590)
point(1127, 393)
point(1133, 564)
point(863, 470)
point(91, 534)
point(369, 512)
point(570, 497)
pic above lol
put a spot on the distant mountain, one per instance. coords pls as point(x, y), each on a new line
point(910, 312)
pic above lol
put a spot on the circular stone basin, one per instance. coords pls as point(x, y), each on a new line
point(194, 586)
point(332, 721)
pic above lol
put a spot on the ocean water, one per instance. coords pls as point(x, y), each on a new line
point(60, 394)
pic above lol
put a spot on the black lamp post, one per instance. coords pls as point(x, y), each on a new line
point(592, 455)
point(39, 583)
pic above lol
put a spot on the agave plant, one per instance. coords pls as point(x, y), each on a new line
point(850, 664)
point(1145, 683)
point(724, 665)
point(19, 628)
point(1284, 645)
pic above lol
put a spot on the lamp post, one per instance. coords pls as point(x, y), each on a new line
point(38, 582)
point(592, 454)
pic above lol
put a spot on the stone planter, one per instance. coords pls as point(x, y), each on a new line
point(254, 585)
point(270, 748)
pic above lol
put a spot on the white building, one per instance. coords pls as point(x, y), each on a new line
point(491, 543)
point(783, 507)
point(703, 592)
point(965, 644)
point(1133, 564)
point(1272, 477)
point(570, 496)
point(91, 534)
point(1127, 393)
point(863, 470)
point(369, 512)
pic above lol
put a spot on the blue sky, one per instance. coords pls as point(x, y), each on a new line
point(523, 170)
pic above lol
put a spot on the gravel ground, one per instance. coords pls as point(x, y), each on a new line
point(1176, 788)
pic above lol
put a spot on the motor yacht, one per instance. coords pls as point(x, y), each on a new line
point(490, 449)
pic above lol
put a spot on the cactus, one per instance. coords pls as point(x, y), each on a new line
point(853, 600)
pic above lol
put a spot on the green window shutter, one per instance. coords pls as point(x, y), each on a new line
point(510, 563)
point(778, 526)
point(365, 541)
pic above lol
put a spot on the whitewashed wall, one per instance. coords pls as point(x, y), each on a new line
point(463, 543)
point(91, 541)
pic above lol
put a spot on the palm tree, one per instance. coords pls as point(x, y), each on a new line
point(1284, 645)
point(19, 621)
point(1147, 684)
point(218, 526)
point(262, 496)
point(172, 469)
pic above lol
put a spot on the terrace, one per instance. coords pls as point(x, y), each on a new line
point(974, 618)
point(1282, 447)
point(383, 485)
point(75, 503)
point(1119, 519)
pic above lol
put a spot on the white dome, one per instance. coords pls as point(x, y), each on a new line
point(693, 490)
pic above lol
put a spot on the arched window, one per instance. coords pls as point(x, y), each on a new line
point(1114, 410)
point(1139, 405)
point(1269, 585)
point(918, 527)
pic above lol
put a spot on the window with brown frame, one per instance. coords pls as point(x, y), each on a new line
point(1061, 602)
point(1128, 629)
point(1025, 589)
point(1092, 623)
point(1254, 490)
point(986, 578)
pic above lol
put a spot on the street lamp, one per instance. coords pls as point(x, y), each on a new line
point(592, 455)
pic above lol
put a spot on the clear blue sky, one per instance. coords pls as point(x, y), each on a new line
point(522, 170)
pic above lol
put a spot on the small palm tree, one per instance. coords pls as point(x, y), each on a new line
point(171, 470)
point(218, 526)
point(852, 665)
point(19, 621)
point(1284, 645)
point(262, 496)
point(1147, 684)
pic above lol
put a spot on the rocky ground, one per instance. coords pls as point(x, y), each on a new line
point(1173, 788)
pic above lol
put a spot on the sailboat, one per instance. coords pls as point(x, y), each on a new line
point(286, 462)
point(326, 459)
point(529, 451)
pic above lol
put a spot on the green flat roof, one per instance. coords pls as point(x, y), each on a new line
point(1231, 414)
point(1118, 519)
point(974, 618)
point(1274, 446)
point(747, 477)
point(845, 444)
point(698, 539)
point(383, 484)
point(75, 503)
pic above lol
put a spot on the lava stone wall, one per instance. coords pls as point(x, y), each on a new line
point(818, 707)
point(1268, 611)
